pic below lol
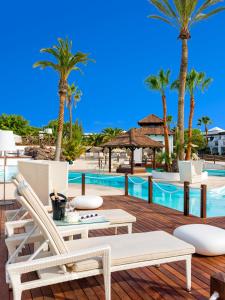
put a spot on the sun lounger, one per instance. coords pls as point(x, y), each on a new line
point(69, 260)
point(116, 218)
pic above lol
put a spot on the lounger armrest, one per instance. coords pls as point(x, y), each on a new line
point(14, 240)
point(59, 260)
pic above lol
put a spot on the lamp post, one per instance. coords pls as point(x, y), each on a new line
point(7, 143)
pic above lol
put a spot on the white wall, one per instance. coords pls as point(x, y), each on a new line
point(160, 138)
point(138, 156)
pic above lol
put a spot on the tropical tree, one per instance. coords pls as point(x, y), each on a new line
point(18, 124)
point(198, 139)
point(160, 83)
point(183, 14)
point(74, 147)
point(169, 121)
point(73, 96)
point(109, 133)
point(194, 81)
point(95, 139)
point(205, 121)
point(64, 63)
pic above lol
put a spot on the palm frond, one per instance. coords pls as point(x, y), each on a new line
point(162, 8)
point(175, 85)
point(207, 4)
point(201, 16)
point(50, 51)
point(161, 19)
point(206, 83)
point(44, 64)
point(184, 13)
point(66, 61)
point(152, 83)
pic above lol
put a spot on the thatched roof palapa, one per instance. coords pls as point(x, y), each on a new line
point(133, 139)
point(158, 130)
point(151, 119)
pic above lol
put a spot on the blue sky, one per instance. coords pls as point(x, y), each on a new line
point(126, 45)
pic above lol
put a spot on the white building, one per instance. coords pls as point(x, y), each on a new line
point(216, 140)
point(152, 126)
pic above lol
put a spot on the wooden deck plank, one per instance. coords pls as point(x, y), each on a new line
point(166, 282)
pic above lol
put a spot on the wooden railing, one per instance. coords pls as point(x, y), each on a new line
point(150, 182)
point(213, 157)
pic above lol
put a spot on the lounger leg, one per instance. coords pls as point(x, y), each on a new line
point(16, 286)
point(107, 274)
point(116, 230)
point(188, 273)
point(17, 294)
point(107, 283)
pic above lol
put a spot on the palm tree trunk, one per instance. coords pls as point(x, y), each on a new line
point(62, 98)
point(206, 135)
point(183, 76)
point(190, 121)
point(71, 120)
point(166, 133)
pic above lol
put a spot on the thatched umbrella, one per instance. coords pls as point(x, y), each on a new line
point(132, 139)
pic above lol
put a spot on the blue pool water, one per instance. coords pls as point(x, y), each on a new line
point(211, 172)
point(220, 173)
point(10, 172)
point(164, 194)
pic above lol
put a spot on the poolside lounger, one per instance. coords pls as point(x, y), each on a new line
point(69, 260)
point(116, 217)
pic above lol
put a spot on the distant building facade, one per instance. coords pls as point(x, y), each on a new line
point(152, 126)
point(216, 140)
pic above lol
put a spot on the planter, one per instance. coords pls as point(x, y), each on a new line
point(167, 176)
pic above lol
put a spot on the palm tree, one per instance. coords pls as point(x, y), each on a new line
point(64, 63)
point(159, 83)
point(205, 120)
point(195, 80)
point(183, 14)
point(73, 96)
point(95, 139)
point(109, 133)
point(169, 121)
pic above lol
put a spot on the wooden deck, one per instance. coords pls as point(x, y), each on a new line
point(166, 282)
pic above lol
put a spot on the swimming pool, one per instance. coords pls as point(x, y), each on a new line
point(220, 173)
point(10, 172)
point(164, 194)
point(211, 172)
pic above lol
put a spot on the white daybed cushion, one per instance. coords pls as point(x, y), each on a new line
point(128, 249)
point(208, 240)
point(87, 202)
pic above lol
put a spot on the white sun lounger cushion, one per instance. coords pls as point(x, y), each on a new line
point(208, 240)
point(87, 202)
point(129, 249)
